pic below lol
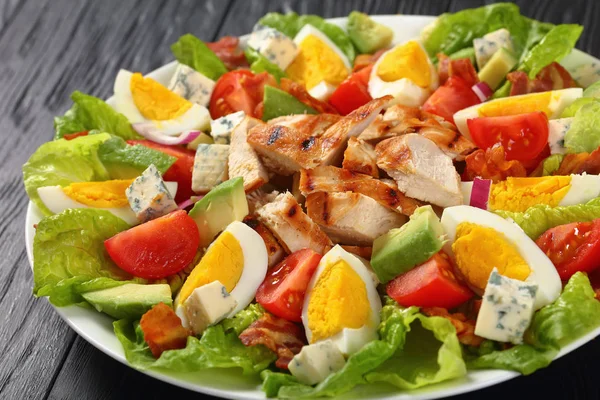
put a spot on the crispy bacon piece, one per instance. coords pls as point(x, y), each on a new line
point(492, 164)
point(465, 328)
point(277, 334)
point(364, 60)
point(580, 163)
point(299, 91)
point(552, 77)
point(229, 51)
point(462, 67)
point(163, 330)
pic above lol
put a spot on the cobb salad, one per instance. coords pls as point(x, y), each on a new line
point(326, 207)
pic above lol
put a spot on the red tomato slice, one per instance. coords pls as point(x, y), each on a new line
point(523, 136)
point(352, 92)
point(282, 291)
point(431, 284)
point(158, 248)
point(239, 90)
point(180, 171)
point(572, 247)
point(75, 135)
point(451, 97)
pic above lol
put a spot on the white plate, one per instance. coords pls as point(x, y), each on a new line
point(96, 328)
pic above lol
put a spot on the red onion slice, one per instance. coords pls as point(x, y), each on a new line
point(482, 90)
point(149, 131)
point(480, 193)
point(189, 202)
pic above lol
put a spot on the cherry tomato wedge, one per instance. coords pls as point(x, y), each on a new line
point(282, 291)
point(451, 97)
point(572, 247)
point(75, 135)
point(239, 90)
point(180, 171)
point(431, 284)
point(352, 92)
point(156, 249)
point(523, 136)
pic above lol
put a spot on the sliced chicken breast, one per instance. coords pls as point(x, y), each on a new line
point(275, 251)
point(361, 157)
point(243, 160)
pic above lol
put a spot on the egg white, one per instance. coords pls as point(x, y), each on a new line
point(583, 189)
point(308, 30)
point(543, 273)
point(196, 117)
point(55, 199)
point(348, 340)
point(322, 91)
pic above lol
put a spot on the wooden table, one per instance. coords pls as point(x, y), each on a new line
point(48, 49)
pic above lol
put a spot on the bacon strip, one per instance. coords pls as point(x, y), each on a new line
point(364, 60)
point(552, 77)
point(580, 163)
point(163, 330)
point(299, 91)
point(492, 164)
point(229, 51)
point(465, 328)
point(462, 68)
point(279, 335)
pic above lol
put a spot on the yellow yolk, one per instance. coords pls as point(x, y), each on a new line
point(518, 194)
point(154, 101)
point(107, 194)
point(339, 300)
point(317, 62)
point(519, 105)
point(478, 250)
point(223, 262)
point(408, 61)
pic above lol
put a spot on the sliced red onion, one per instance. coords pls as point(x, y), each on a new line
point(482, 90)
point(189, 202)
point(149, 131)
point(480, 193)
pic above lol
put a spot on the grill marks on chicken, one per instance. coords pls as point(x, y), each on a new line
point(243, 160)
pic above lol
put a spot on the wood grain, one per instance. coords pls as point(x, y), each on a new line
point(48, 49)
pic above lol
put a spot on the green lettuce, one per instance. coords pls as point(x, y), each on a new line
point(468, 52)
point(538, 219)
point(259, 63)
point(243, 319)
point(551, 164)
point(571, 110)
point(584, 133)
point(89, 113)
point(414, 351)
point(291, 23)
point(191, 51)
point(575, 313)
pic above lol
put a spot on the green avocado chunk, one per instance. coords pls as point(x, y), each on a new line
point(221, 206)
point(278, 103)
point(500, 64)
point(401, 249)
point(367, 35)
point(129, 301)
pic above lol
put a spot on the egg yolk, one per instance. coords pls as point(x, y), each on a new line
point(107, 194)
point(154, 101)
point(317, 62)
point(517, 105)
point(408, 61)
point(518, 194)
point(478, 250)
point(338, 300)
point(223, 262)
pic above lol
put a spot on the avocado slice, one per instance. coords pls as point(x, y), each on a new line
point(401, 249)
point(278, 103)
point(367, 35)
point(500, 64)
point(221, 206)
point(203, 138)
point(130, 300)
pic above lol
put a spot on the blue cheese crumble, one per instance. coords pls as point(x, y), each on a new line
point(149, 197)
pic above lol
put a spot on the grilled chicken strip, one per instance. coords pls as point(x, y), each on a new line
point(333, 179)
point(243, 160)
point(351, 218)
point(274, 250)
point(420, 169)
point(291, 226)
point(361, 157)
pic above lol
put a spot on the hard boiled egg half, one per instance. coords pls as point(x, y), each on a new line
point(149, 105)
point(479, 240)
point(341, 303)
point(405, 72)
point(552, 103)
point(107, 195)
point(320, 64)
point(238, 259)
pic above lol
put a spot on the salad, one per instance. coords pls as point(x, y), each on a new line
point(323, 207)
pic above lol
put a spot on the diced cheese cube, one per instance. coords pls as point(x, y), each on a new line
point(274, 45)
point(586, 74)
point(210, 166)
point(221, 128)
point(149, 197)
point(208, 305)
point(557, 129)
point(506, 309)
point(322, 91)
point(316, 362)
point(192, 85)
point(486, 46)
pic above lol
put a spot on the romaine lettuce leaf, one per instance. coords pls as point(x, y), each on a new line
point(584, 133)
point(191, 51)
point(89, 113)
point(538, 219)
point(551, 164)
point(259, 63)
point(291, 23)
point(576, 106)
point(414, 351)
point(243, 319)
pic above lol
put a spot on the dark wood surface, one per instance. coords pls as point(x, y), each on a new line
point(48, 49)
